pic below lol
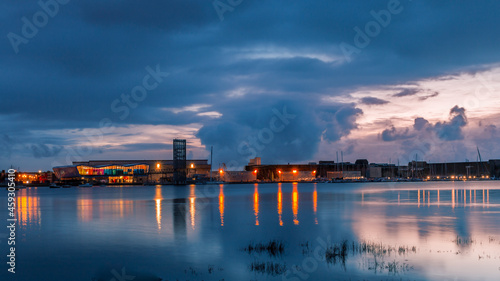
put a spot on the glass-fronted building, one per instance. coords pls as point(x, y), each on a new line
point(128, 171)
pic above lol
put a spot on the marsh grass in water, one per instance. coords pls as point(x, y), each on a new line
point(373, 255)
point(269, 268)
point(274, 248)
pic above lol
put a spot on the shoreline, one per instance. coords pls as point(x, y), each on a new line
point(275, 182)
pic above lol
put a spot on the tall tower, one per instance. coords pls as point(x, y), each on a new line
point(179, 150)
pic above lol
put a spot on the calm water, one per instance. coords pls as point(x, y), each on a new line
point(400, 231)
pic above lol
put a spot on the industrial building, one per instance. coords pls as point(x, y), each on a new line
point(29, 178)
point(363, 170)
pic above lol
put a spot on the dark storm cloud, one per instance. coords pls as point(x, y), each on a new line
point(452, 130)
point(420, 123)
point(43, 151)
point(6, 144)
point(278, 131)
point(91, 52)
point(392, 134)
point(143, 146)
point(373, 101)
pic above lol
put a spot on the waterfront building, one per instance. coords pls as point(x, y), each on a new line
point(131, 171)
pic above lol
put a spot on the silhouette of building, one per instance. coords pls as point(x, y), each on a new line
point(179, 151)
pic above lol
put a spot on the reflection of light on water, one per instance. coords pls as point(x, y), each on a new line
point(280, 204)
point(295, 204)
point(158, 198)
point(84, 209)
point(315, 204)
point(465, 198)
point(158, 212)
point(418, 192)
point(28, 209)
point(118, 207)
point(429, 198)
point(256, 203)
point(435, 234)
point(192, 205)
point(453, 198)
point(221, 204)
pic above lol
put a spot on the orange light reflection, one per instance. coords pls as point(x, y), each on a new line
point(280, 204)
point(256, 203)
point(295, 204)
point(221, 204)
point(315, 204)
point(158, 198)
point(192, 205)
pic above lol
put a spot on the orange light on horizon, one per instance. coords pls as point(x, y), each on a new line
point(192, 166)
point(158, 166)
point(294, 171)
point(255, 171)
point(221, 171)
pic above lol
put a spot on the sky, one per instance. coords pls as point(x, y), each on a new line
point(287, 81)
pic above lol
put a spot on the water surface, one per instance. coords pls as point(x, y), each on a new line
point(383, 231)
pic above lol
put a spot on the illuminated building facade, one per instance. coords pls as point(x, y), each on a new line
point(130, 171)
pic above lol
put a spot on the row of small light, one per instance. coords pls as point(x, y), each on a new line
point(158, 166)
point(279, 172)
point(463, 177)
